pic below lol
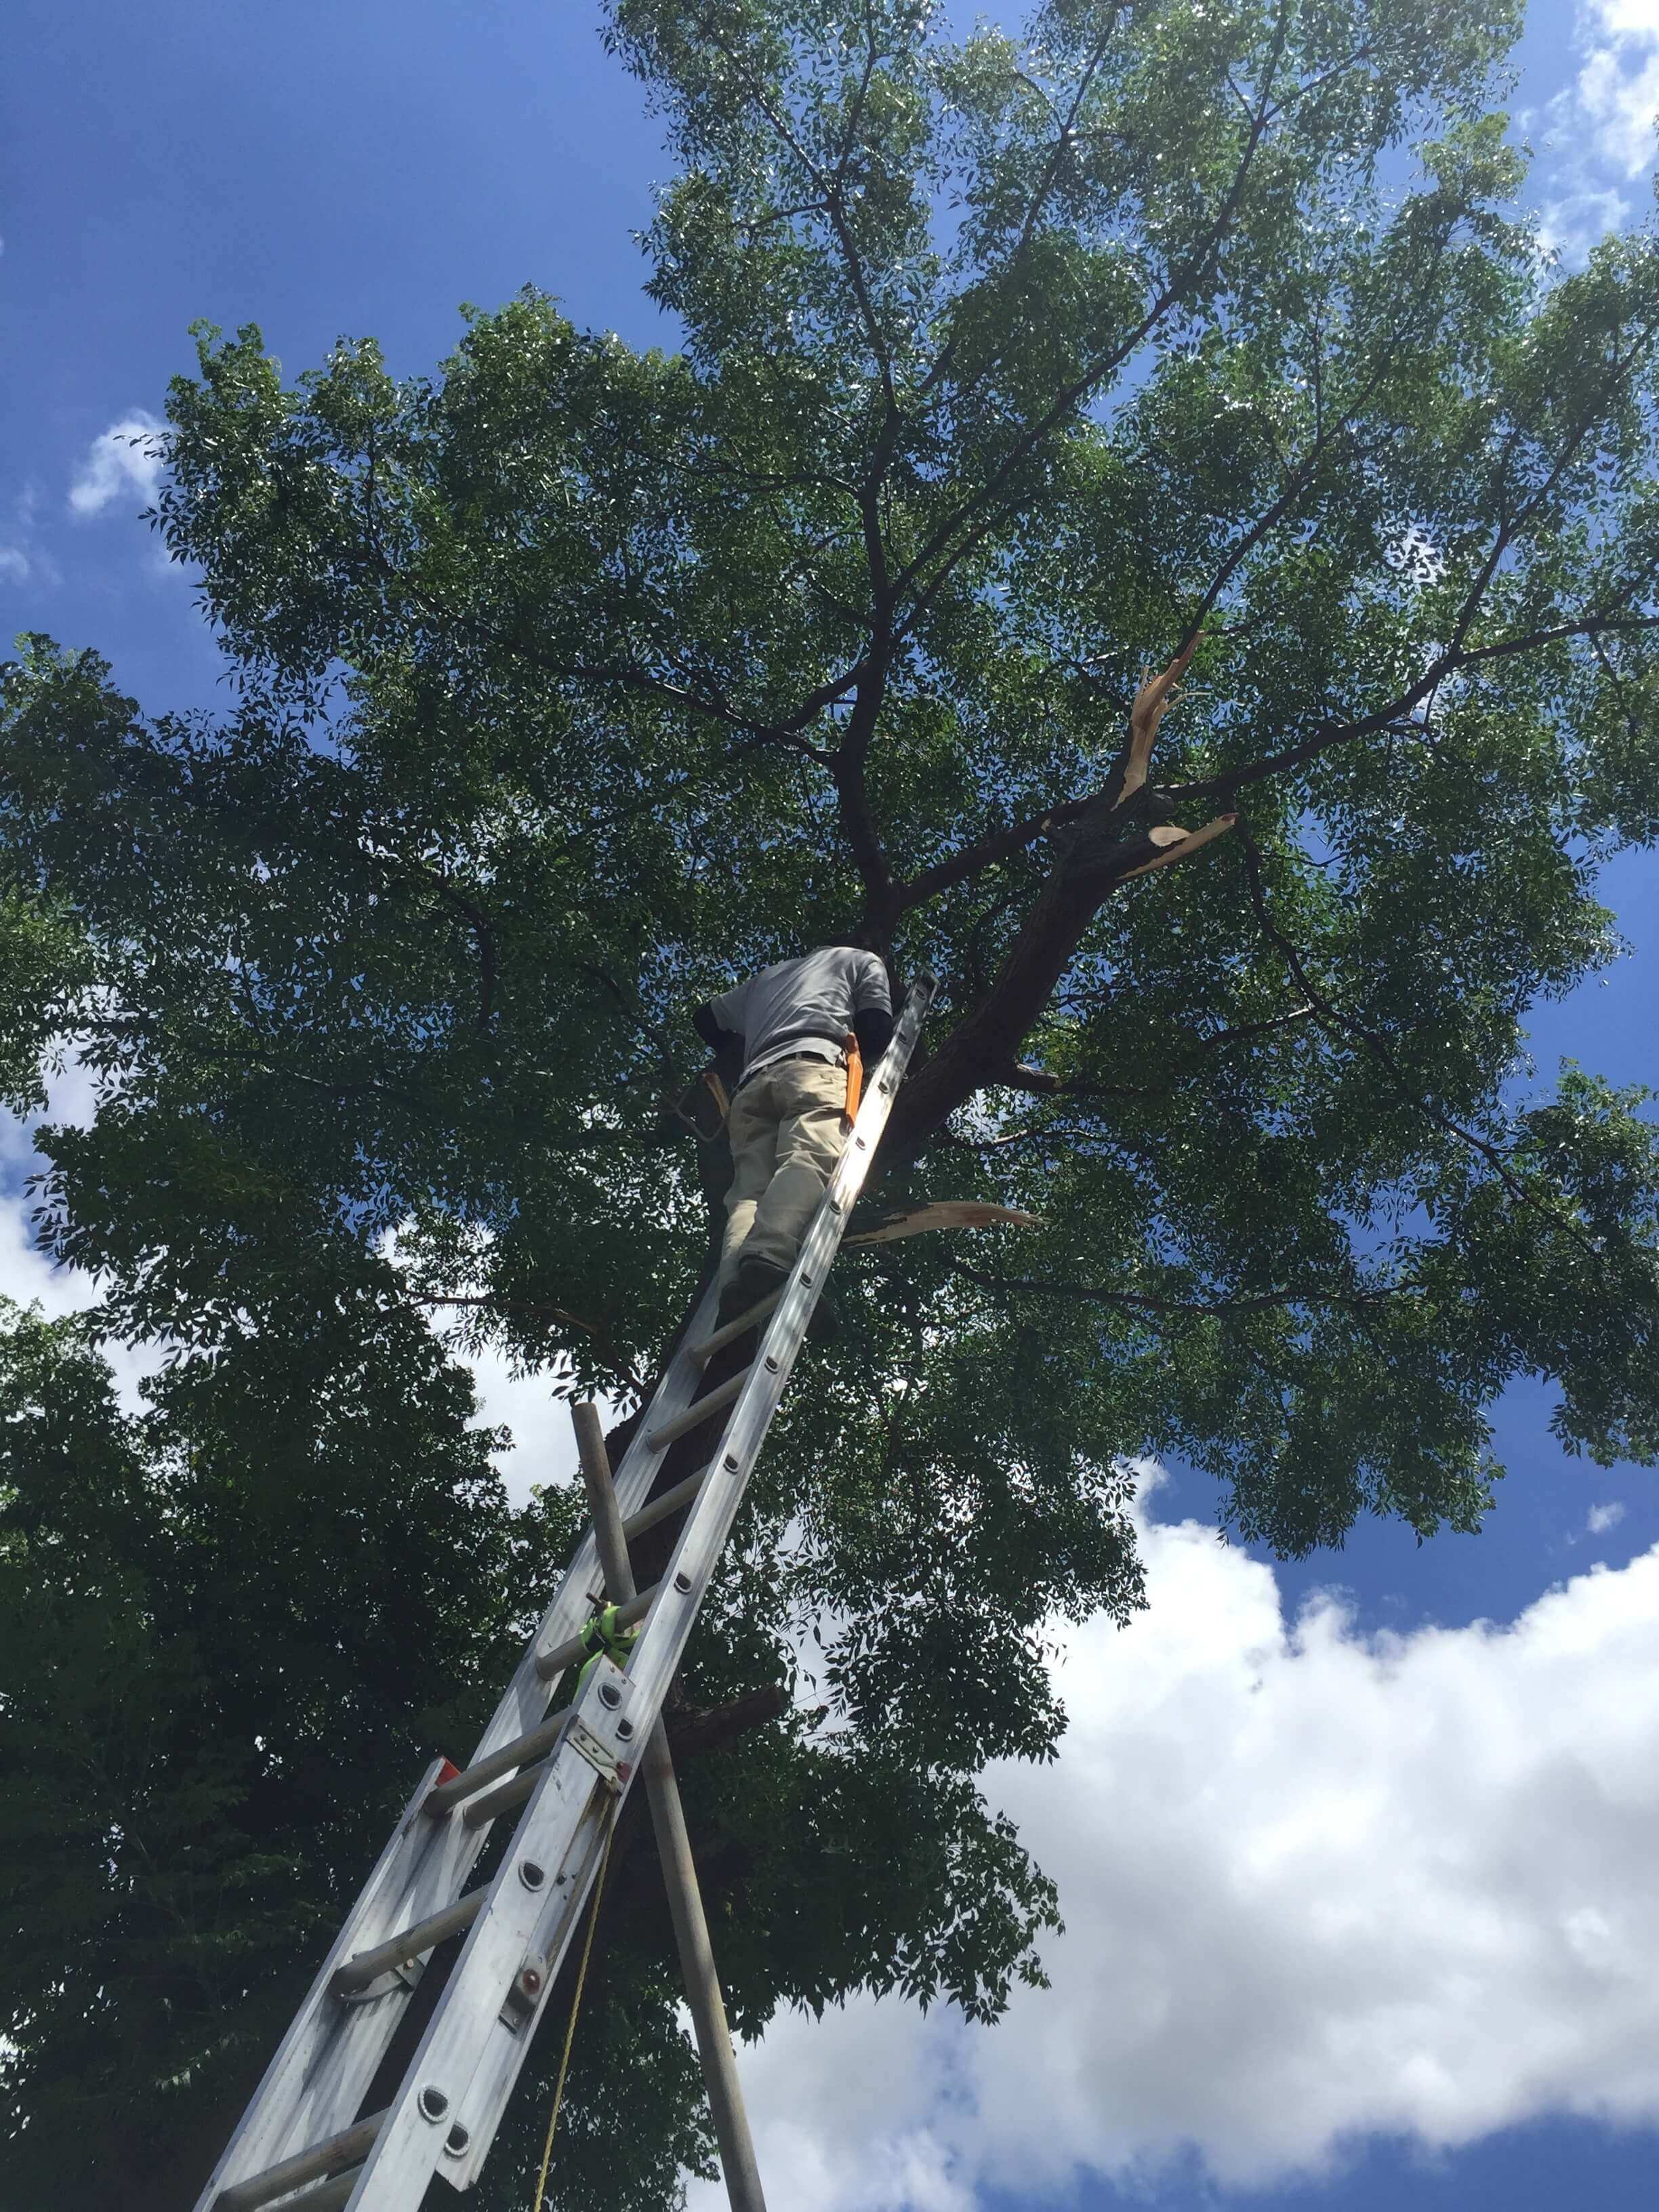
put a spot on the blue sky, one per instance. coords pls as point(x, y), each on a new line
point(364, 169)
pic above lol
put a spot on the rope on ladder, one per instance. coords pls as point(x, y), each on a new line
point(575, 2007)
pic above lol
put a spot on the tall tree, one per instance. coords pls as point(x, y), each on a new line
point(1206, 339)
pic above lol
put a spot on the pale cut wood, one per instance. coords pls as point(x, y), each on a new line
point(946, 1213)
point(1153, 700)
point(1187, 844)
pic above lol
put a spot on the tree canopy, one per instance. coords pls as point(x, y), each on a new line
point(574, 680)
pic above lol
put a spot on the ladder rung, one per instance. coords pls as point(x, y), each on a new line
point(695, 1416)
point(733, 1329)
point(397, 1950)
point(660, 1508)
point(504, 1795)
point(348, 2149)
point(326, 2197)
point(519, 1753)
point(549, 1663)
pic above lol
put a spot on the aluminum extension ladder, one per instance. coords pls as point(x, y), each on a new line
point(301, 2144)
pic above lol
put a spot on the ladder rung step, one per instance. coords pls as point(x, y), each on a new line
point(397, 1950)
point(350, 2147)
point(504, 1797)
point(519, 1753)
point(660, 1508)
point(695, 1416)
point(326, 2197)
point(733, 1329)
point(549, 1663)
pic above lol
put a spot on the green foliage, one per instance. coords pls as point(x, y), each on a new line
point(574, 679)
point(230, 1635)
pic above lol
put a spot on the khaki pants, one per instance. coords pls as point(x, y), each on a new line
point(787, 1129)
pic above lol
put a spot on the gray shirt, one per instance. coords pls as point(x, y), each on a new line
point(803, 1005)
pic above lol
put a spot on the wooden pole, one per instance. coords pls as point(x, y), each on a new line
point(702, 1988)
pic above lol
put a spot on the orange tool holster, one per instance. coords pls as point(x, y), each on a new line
point(855, 1078)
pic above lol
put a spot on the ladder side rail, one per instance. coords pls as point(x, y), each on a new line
point(486, 2015)
point(485, 2098)
point(322, 2068)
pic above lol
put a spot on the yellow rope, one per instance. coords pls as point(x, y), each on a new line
point(575, 2007)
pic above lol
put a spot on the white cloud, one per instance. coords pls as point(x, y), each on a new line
point(1618, 87)
point(27, 1275)
point(1316, 1886)
point(1604, 1517)
point(544, 1441)
point(1578, 220)
point(543, 1448)
point(22, 559)
point(125, 462)
point(1601, 126)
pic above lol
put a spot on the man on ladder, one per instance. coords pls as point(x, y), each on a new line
point(806, 1028)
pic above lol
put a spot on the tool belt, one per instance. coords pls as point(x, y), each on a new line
point(806, 1051)
point(855, 1077)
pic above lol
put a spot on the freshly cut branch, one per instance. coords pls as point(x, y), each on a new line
point(1177, 847)
point(1096, 851)
point(1154, 699)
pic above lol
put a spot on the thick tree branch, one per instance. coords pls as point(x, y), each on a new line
point(858, 820)
point(1092, 865)
point(1127, 777)
point(986, 852)
point(692, 1734)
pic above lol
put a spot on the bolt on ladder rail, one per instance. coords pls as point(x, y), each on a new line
point(304, 2143)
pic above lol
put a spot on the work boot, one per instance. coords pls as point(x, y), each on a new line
point(751, 1281)
point(754, 1279)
